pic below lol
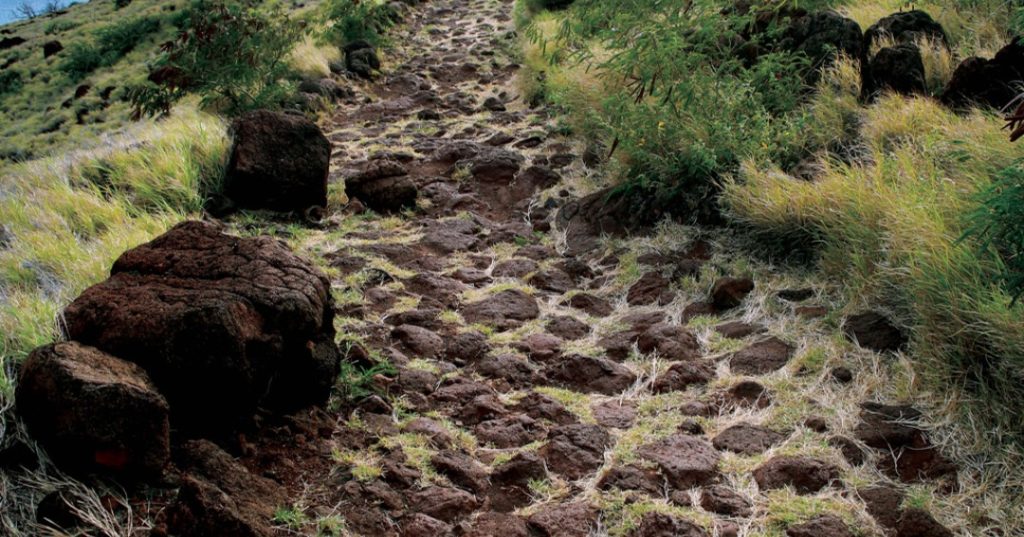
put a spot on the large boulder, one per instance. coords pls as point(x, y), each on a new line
point(993, 83)
point(94, 412)
point(278, 162)
point(905, 27)
point(222, 324)
point(361, 58)
point(899, 69)
point(822, 36)
point(384, 186)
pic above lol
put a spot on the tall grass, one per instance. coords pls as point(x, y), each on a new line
point(888, 227)
point(68, 218)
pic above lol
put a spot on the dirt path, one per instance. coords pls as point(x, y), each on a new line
point(542, 394)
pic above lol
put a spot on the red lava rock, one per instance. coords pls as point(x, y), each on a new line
point(542, 407)
point(278, 162)
point(919, 523)
point(874, 331)
point(590, 375)
point(441, 288)
point(592, 305)
point(396, 472)
point(416, 380)
point(762, 357)
point(654, 524)
point(728, 293)
point(471, 276)
point(568, 328)
point(686, 461)
point(619, 346)
point(509, 431)
point(419, 341)
point(633, 478)
point(515, 370)
point(804, 474)
point(747, 439)
point(748, 393)
point(651, 288)
point(218, 496)
point(682, 375)
point(576, 450)
point(615, 414)
point(883, 504)
point(511, 481)
point(503, 310)
point(461, 469)
point(443, 503)
point(460, 390)
point(671, 342)
point(541, 347)
point(725, 501)
point(496, 525)
point(563, 520)
point(482, 408)
point(94, 412)
point(820, 526)
point(383, 186)
point(213, 319)
point(420, 525)
point(738, 330)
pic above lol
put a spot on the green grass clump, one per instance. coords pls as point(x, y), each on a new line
point(998, 223)
point(66, 227)
point(112, 42)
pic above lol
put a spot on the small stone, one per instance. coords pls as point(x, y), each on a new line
point(747, 439)
point(804, 474)
point(729, 293)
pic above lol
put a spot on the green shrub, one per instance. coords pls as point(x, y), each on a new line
point(111, 44)
point(10, 81)
point(233, 55)
point(998, 223)
point(354, 20)
point(58, 26)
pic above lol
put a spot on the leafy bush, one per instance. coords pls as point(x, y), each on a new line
point(58, 26)
point(354, 20)
point(111, 44)
point(999, 224)
point(233, 55)
point(10, 81)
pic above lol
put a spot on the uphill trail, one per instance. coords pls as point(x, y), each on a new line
point(557, 382)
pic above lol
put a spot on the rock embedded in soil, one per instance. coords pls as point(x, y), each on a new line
point(278, 162)
point(762, 357)
point(218, 496)
point(681, 375)
point(494, 525)
point(655, 524)
point(898, 69)
point(804, 474)
point(504, 310)
point(883, 503)
point(725, 501)
point(420, 525)
point(671, 342)
point(728, 293)
point(874, 331)
point(615, 414)
point(383, 186)
point(686, 461)
point(443, 503)
point(747, 439)
point(590, 375)
point(564, 520)
point(222, 324)
point(568, 328)
point(981, 82)
point(94, 412)
point(576, 450)
point(634, 478)
point(590, 304)
point(738, 330)
point(820, 526)
point(511, 481)
point(651, 288)
point(905, 27)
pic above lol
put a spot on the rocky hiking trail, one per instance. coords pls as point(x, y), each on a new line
point(549, 374)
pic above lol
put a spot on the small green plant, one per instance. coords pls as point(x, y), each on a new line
point(998, 223)
point(111, 44)
point(356, 382)
point(232, 54)
point(354, 20)
point(10, 81)
point(293, 518)
point(58, 26)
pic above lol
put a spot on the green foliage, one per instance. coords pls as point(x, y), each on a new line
point(10, 81)
point(687, 106)
point(59, 26)
point(232, 54)
point(354, 20)
point(998, 223)
point(110, 45)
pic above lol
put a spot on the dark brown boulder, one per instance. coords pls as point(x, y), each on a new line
point(651, 288)
point(593, 305)
point(682, 375)
point(507, 309)
point(820, 526)
point(898, 69)
point(420, 525)
point(633, 477)
point(221, 324)
point(383, 186)
point(563, 520)
point(822, 36)
point(575, 450)
point(920, 523)
point(671, 342)
point(496, 525)
point(687, 461)
point(992, 83)
point(278, 162)
point(94, 412)
point(804, 474)
point(511, 481)
point(218, 496)
point(874, 331)
point(883, 503)
point(52, 47)
point(443, 503)
point(905, 27)
point(725, 501)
